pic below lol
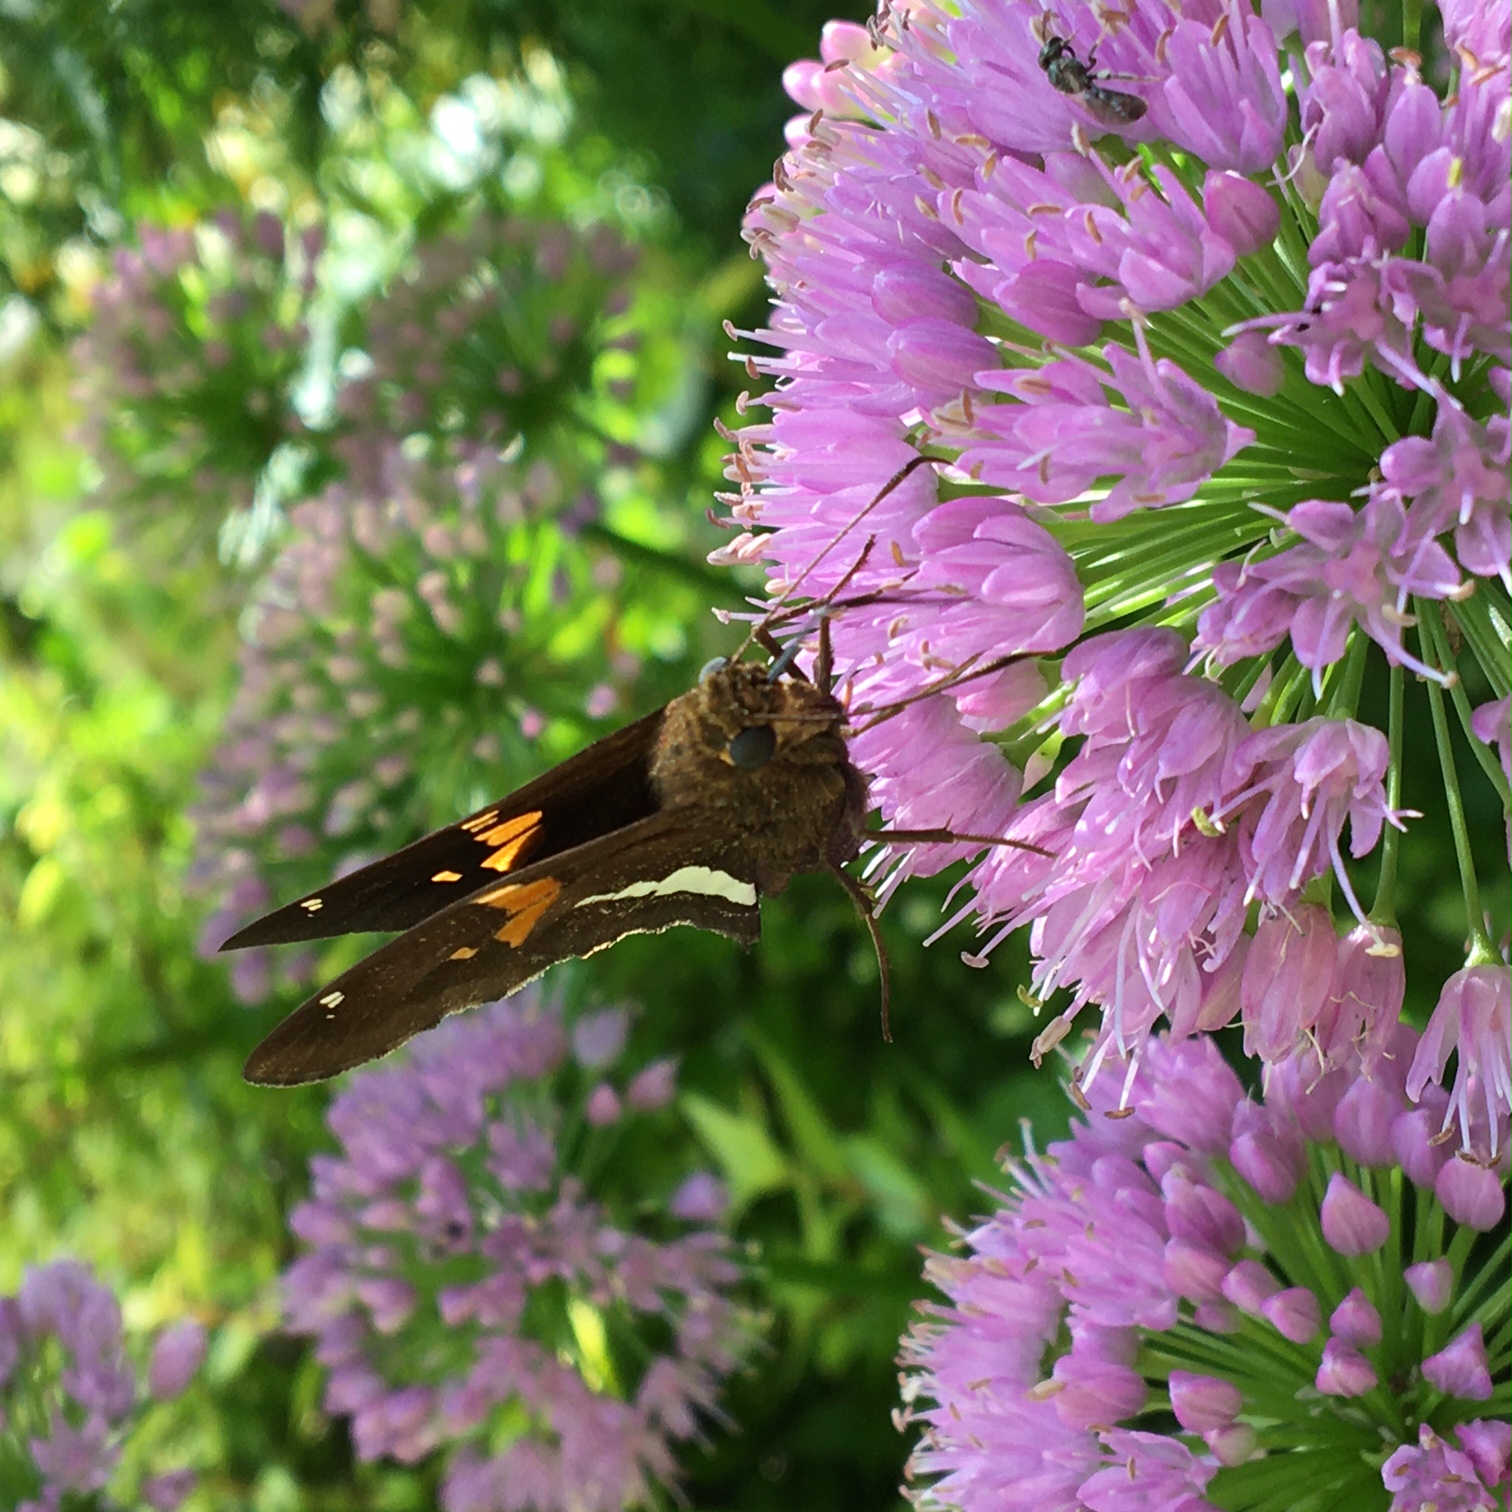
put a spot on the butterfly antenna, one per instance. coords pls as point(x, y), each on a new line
point(898, 478)
point(784, 656)
point(895, 593)
point(761, 633)
point(850, 572)
point(863, 901)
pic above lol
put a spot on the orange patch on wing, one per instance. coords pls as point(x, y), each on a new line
point(466, 953)
point(515, 839)
point(502, 834)
point(506, 856)
point(524, 903)
point(447, 876)
point(482, 821)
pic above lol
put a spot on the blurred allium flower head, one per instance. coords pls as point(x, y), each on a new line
point(412, 648)
point(1216, 406)
point(317, 16)
point(510, 327)
point(184, 371)
point(468, 1292)
point(71, 1398)
point(1202, 1300)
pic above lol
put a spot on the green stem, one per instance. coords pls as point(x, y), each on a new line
point(1485, 618)
point(1412, 23)
point(720, 584)
point(1381, 910)
point(1456, 690)
point(1287, 694)
point(1365, 395)
point(1480, 944)
point(1341, 688)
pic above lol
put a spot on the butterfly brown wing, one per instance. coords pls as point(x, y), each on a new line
point(602, 789)
point(641, 879)
point(696, 824)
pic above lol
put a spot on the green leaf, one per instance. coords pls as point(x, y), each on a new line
point(901, 1201)
point(745, 1153)
point(41, 890)
point(813, 1136)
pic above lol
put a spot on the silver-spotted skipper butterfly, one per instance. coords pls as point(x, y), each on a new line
point(688, 816)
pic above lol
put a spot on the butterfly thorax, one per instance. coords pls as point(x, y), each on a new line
point(788, 802)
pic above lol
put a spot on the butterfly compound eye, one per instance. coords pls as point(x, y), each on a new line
point(753, 747)
point(709, 668)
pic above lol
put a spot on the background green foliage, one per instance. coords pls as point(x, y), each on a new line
point(134, 534)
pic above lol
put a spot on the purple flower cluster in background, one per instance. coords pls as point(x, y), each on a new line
point(468, 1294)
point(1216, 407)
point(1196, 1281)
point(184, 372)
point(187, 372)
point(318, 16)
point(485, 335)
point(435, 612)
point(439, 594)
point(70, 1398)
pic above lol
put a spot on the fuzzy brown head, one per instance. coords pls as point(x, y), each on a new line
point(767, 757)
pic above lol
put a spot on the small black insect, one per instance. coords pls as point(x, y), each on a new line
point(1067, 73)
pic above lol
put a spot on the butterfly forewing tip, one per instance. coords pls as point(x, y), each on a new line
point(292, 1057)
point(256, 1073)
point(277, 1061)
point(263, 1070)
point(262, 931)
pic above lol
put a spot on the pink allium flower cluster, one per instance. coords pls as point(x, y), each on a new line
point(317, 16)
point(1215, 406)
point(1201, 1300)
point(184, 373)
point(494, 332)
point(70, 1397)
point(468, 1294)
point(428, 613)
point(188, 373)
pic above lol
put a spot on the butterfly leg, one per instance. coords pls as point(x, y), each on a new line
point(950, 837)
point(967, 671)
point(864, 905)
point(782, 656)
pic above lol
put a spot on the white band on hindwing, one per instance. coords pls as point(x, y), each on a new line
point(703, 880)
